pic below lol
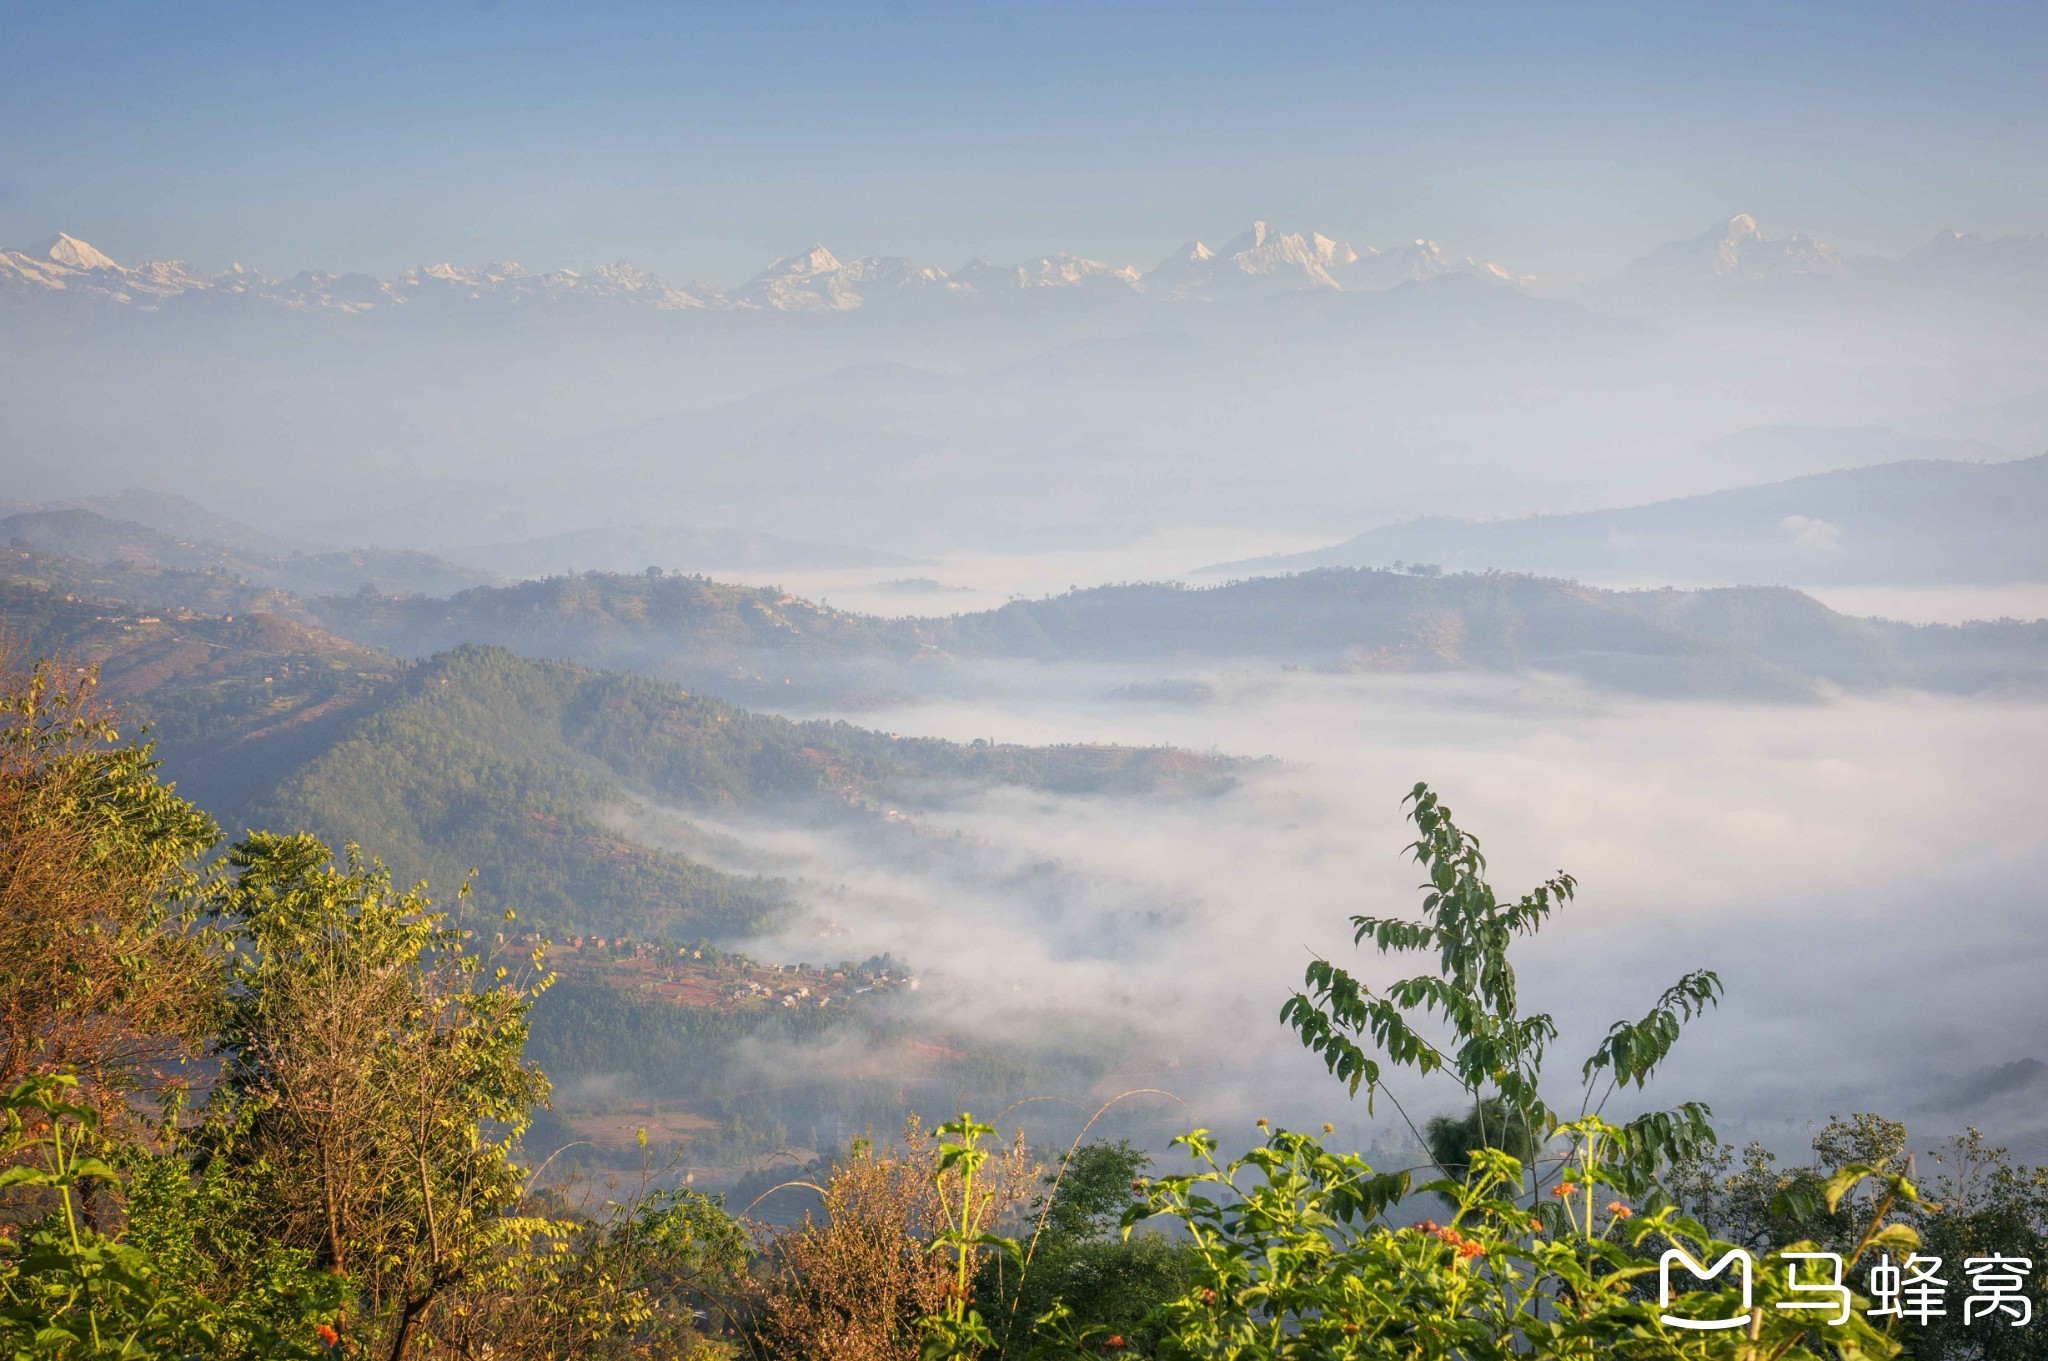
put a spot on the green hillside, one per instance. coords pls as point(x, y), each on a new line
point(753, 644)
point(479, 757)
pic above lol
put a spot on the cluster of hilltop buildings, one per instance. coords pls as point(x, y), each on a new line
point(701, 974)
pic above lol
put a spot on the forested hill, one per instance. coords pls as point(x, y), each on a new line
point(1745, 640)
point(481, 758)
point(765, 646)
point(745, 642)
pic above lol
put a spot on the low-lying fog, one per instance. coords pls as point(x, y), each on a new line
point(1864, 874)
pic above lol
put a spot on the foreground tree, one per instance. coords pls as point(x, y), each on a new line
point(1492, 1050)
point(104, 973)
point(380, 1080)
point(1077, 1258)
point(160, 1286)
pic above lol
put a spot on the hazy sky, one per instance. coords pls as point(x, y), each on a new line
point(703, 141)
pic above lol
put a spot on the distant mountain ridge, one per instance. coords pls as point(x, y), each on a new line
point(1920, 522)
point(1263, 260)
point(89, 536)
point(812, 281)
point(153, 532)
point(1737, 257)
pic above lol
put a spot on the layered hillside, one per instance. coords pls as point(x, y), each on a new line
point(526, 769)
point(762, 644)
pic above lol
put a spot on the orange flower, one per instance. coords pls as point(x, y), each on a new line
point(1535, 1224)
point(1114, 1341)
point(1618, 1210)
point(328, 1337)
point(1468, 1248)
point(1561, 1190)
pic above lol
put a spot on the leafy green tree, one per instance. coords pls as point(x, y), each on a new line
point(382, 1079)
point(1087, 1198)
point(1079, 1260)
point(1493, 1051)
point(69, 1291)
point(1491, 1123)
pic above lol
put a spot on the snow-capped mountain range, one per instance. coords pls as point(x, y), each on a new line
point(1260, 262)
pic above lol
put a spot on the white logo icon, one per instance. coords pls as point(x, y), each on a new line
point(1737, 1256)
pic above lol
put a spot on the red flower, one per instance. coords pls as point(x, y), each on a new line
point(328, 1337)
point(1114, 1341)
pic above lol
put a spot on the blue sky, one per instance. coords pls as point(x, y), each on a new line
point(704, 141)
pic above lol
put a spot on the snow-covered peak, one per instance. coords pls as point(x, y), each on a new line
point(1251, 239)
point(1263, 260)
point(817, 260)
point(1257, 260)
point(1732, 252)
point(817, 281)
point(1329, 253)
point(67, 250)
